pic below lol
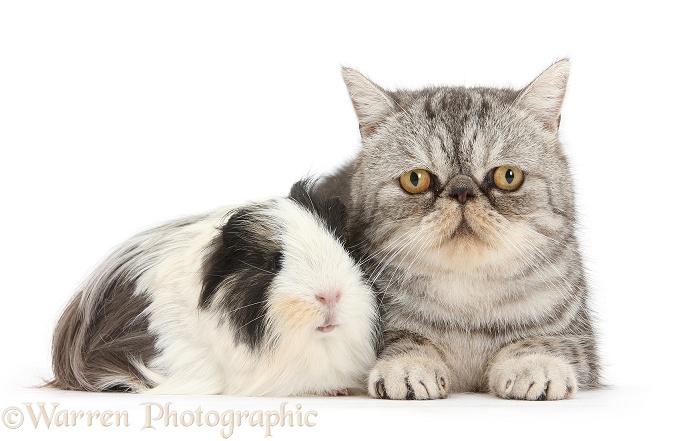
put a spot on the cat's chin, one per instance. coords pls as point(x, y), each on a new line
point(462, 250)
point(474, 246)
point(464, 229)
point(468, 249)
point(466, 254)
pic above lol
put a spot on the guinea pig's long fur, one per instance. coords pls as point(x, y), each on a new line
point(260, 299)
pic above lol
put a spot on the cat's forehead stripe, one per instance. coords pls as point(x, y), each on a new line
point(467, 131)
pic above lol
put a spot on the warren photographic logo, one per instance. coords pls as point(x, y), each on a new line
point(151, 416)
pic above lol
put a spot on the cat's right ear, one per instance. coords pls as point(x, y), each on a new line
point(372, 104)
point(544, 96)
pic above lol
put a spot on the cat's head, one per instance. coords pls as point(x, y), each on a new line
point(461, 178)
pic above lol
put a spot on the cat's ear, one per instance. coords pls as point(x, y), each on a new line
point(544, 96)
point(372, 104)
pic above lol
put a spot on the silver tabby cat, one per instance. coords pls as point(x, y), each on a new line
point(461, 199)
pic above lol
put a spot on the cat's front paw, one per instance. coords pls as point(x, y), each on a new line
point(532, 377)
point(337, 393)
point(405, 377)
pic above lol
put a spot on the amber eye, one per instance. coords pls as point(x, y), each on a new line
point(508, 177)
point(416, 181)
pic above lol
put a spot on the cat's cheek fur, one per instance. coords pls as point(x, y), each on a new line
point(532, 377)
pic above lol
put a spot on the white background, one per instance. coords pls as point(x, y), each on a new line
point(116, 116)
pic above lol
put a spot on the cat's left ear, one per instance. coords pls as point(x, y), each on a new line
point(544, 96)
point(372, 104)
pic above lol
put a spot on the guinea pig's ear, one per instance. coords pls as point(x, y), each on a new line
point(301, 194)
point(331, 210)
point(335, 216)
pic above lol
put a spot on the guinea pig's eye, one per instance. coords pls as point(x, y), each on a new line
point(507, 177)
point(416, 181)
point(277, 261)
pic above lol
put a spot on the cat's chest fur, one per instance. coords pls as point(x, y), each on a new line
point(469, 317)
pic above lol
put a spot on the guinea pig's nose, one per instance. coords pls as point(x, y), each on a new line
point(329, 299)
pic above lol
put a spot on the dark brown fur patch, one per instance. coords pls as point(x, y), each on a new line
point(95, 353)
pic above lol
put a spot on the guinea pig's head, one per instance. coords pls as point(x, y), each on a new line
point(280, 271)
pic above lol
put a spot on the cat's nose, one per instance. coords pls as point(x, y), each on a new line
point(461, 188)
point(461, 194)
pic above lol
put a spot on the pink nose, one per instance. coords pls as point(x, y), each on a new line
point(328, 299)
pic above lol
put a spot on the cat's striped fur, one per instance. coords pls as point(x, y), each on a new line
point(487, 294)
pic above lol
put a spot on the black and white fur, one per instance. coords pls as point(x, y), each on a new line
point(259, 299)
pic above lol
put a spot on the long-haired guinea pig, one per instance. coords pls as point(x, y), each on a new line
point(262, 299)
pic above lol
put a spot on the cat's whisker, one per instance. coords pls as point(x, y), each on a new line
point(542, 256)
point(393, 256)
point(428, 239)
point(358, 244)
point(411, 246)
point(397, 248)
point(532, 264)
point(393, 249)
point(384, 251)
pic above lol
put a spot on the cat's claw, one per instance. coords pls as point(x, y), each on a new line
point(409, 378)
point(534, 377)
point(337, 393)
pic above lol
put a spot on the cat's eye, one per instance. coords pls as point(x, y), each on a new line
point(508, 177)
point(416, 181)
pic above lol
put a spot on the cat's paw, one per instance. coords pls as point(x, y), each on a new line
point(337, 393)
point(405, 377)
point(532, 377)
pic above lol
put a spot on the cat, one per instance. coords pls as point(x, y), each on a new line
point(461, 203)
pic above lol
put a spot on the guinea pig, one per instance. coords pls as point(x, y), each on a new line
point(257, 300)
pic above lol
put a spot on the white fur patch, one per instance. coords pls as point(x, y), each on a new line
point(198, 352)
